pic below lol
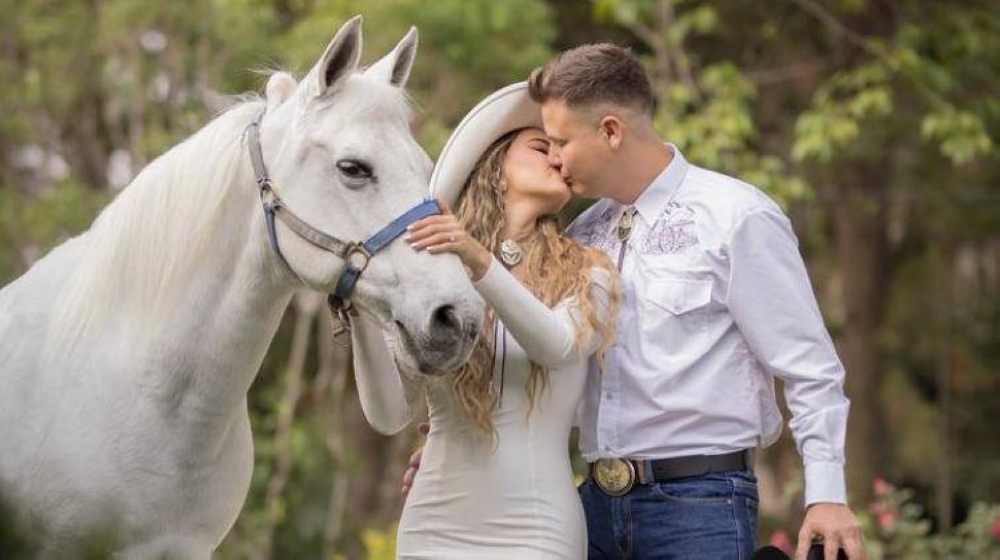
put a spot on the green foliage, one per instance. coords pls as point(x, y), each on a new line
point(715, 128)
point(35, 223)
point(699, 20)
point(932, 70)
point(896, 527)
point(852, 101)
point(961, 134)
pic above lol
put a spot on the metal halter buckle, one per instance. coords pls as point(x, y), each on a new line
point(615, 477)
point(340, 323)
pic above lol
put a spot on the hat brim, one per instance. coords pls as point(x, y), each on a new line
point(503, 111)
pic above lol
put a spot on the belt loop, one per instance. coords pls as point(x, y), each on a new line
point(644, 471)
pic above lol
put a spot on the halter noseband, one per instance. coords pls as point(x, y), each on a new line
point(355, 254)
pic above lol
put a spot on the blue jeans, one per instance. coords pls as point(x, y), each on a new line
point(712, 516)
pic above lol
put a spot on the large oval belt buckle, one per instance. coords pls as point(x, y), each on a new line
point(614, 476)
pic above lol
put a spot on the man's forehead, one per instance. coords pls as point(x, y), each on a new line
point(553, 107)
point(554, 117)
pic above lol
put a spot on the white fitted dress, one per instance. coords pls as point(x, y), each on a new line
point(516, 499)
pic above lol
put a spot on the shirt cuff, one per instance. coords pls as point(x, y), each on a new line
point(825, 483)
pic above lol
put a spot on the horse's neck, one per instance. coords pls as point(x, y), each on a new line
point(214, 346)
point(236, 319)
point(194, 360)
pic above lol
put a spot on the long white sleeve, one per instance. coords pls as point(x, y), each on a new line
point(547, 335)
point(771, 300)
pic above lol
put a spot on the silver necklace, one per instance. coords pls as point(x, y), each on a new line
point(510, 253)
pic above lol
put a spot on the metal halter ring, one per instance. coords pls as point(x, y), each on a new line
point(267, 194)
point(357, 256)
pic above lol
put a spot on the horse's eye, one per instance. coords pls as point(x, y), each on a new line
point(355, 172)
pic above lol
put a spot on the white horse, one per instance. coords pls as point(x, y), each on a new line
point(127, 352)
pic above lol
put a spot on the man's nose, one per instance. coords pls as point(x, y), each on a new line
point(554, 159)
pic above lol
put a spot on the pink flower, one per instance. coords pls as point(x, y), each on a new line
point(995, 529)
point(882, 488)
point(887, 519)
point(781, 541)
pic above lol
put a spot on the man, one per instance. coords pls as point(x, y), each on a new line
point(716, 303)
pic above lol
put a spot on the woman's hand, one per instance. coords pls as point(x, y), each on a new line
point(442, 233)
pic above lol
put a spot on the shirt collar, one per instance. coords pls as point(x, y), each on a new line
point(661, 191)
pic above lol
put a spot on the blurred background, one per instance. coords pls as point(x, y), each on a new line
point(873, 122)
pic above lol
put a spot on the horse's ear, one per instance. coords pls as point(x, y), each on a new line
point(395, 66)
point(279, 88)
point(341, 57)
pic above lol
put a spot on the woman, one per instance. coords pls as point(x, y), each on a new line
point(495, 479)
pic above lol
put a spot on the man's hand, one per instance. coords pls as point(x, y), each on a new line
point(836, 526)
point(411, 472)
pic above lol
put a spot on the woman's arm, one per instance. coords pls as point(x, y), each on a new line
point(547, 335)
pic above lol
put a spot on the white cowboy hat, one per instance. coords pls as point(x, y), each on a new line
point(503, 111)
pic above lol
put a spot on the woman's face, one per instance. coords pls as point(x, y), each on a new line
point(530, 178)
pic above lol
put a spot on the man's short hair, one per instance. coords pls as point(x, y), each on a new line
point(593, 74)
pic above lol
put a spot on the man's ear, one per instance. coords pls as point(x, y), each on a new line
point(612, 129)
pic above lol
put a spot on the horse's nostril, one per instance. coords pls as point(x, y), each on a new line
point(446, 318)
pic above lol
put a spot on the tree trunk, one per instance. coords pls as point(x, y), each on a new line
point(306, 307)
point(948, 291)
point(330, 388)
point(859, 218)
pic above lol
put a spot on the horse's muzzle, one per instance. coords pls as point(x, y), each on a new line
point(444, 344)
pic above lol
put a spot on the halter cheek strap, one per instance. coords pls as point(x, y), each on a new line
point(357, 255)
point(354, 254)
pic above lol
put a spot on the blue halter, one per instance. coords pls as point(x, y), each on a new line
point(354, 254)
point(366, 250)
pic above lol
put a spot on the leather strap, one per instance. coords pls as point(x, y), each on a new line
point(663, 470)
point(376, 243)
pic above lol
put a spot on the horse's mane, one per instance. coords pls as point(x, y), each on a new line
point(144, 244)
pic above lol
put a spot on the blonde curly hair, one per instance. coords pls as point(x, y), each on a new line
point(555, 268)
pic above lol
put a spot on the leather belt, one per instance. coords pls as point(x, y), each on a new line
point(616, 477)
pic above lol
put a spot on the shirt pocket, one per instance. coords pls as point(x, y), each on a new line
point(678, 296)
point(675, 314)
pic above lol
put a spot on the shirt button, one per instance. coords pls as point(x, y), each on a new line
point(607, 396)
